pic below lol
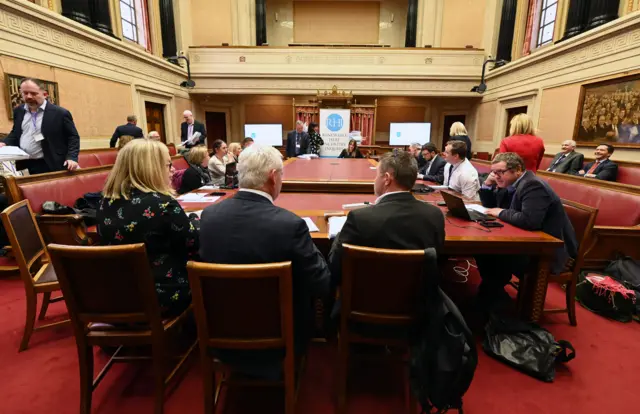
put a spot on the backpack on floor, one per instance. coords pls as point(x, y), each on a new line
point(444, 358)
point(626, 271)
point(606, 296)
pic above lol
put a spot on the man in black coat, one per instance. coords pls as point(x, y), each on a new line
point(602, 168)
point(568, 161)
point(433, 170)
point(397, 220)
point(130, 128)
point(248, 229)
point(518, 197)
point(44, 131)
point(297, 141)
point(189, 127)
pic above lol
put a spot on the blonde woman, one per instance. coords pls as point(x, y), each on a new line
point(124, 140)
point(233, 152)
point(138, 207)
point(458, 132)
point(523, 142)
point(197, 174)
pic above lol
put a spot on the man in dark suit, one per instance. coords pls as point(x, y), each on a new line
point(568, 161)
point(586, 131)
point(397, 220)
point(416, 150)
point(257, 231)
point(518, 197)
point(433, 169)
point(44, 131)
point(189, 127)
point(297, 141)
point(602, 168)
point(130, 128)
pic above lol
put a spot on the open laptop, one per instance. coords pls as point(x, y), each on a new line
point(456, 206)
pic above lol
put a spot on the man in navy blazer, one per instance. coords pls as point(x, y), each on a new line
point(602, 168)
point(518, 197)
point(433, 170)
point(189, 127)
point(297, 141)
point(130, 128)
point(44, 131)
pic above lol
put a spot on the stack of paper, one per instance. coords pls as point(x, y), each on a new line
point(335, 225)
point(197, 198)
point(308, 156)
point(439, 187)
point(194, 138)
point(209, 187)
point(9, 153)
point(476, 207)
point(312, 226)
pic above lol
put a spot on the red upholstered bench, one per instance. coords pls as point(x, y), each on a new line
point(482, 166)
point(179, 163)
point(88, 160)
point(545, 163)
point(628, 175)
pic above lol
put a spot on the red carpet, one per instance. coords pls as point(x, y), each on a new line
point(603, 377)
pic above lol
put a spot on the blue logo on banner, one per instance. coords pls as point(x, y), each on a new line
point(253, 135)
point(398, 134)
point(334, 122)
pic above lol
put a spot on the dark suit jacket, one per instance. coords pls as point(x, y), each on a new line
point(466, 140)
point(607, 170)
point(571, 164)
point(126, 129)
point(436, 170)
point(398, 221)
point(197, 127)
point(248, 229)
point(345, 154)
point(535, 206)
point(61, 140)
point(291, 143)
point(585, 134)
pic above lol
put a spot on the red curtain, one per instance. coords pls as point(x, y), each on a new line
point(307, 114)
point(363, 120)
point(533, 8)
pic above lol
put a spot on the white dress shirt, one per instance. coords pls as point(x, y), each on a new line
point(428, 169)
point(259, 192)
point(32, 126)
point(463, 179)
point(388, 194)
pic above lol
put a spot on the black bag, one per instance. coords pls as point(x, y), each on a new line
point(444, 359)
point(606, 296)
point(525, 346)
point(88, 206)
point(626, 271)
point(53, 207)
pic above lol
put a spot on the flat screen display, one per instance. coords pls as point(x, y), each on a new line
point(406, 133)
point(265, 134)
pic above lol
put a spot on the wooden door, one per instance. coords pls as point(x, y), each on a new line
point(448, 121)
point(511, 113)
point(155, 119)
point(216, 123)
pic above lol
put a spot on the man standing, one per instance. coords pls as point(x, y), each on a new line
point(602, 168)
point(518, 197)
point(391, 222)
point(130, 128)
point(568, 161)
point(433, 169)
point(276, 235)
point(44, 131)
point(189, 127)
point(297, 141)
point(459, 174)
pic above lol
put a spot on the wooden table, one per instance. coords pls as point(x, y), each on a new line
point(329, 175)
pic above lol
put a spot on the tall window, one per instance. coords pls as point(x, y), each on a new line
point(135, 21)
point(547, 22)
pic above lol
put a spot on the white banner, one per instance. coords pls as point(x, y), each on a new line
point(334, 130)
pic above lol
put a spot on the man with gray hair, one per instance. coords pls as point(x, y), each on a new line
point(415, 149)
point(567, 161)
point(297, 141)
point(248, 229)
point(155, 136)
point(130, 128)
point(189, 127)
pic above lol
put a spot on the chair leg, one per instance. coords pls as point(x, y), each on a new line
point(45, 305)
point(289, 385)
point(32, 303)
point(85, 359)
point(208, 383)
point(571, 302)
point(159, 373)
point(341, 374)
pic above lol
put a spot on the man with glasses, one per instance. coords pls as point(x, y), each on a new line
point(518, 197)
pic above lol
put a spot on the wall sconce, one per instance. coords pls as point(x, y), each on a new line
point(276, 16)
point(393, 17)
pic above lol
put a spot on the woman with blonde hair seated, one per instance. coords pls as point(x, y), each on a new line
point(458, 132)
point(138, 207)
point(124, 140)
point(197, 174)
point(233, 152)
point(523, 142)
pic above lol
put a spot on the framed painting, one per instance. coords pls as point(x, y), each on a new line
point(14, 98)
point(609, 112)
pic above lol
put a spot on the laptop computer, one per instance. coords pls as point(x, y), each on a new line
point(457, 208)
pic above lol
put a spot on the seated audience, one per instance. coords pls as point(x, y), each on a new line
point(397, 220)
point(415, 149)
point(197, 174)
point(124, 140)
point(516, 196)
point(218, 162)
point(138, 207)
point(154, 135)
point(233, 152)
point(567, 161)
point(247, 142)
point(351, 151)
point(458, 132)
point(257, 231)
point(602, 168)
point(315, 140)
point(523, 142)
point(459, 174)
point(433, 170)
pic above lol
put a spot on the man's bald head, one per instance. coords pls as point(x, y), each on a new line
point(188, 116)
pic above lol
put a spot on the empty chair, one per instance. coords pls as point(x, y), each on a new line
point(112, 301)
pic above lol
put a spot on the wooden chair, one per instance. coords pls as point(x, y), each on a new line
point(111, 297)
point(243, 308)
point(64, 229)
point(38, 275)
point(582, 218)
point(381, 291)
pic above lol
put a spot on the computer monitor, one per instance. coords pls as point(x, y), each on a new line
point(265, 134)
point(406, 133)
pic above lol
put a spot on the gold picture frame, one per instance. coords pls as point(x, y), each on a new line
point(14, 98)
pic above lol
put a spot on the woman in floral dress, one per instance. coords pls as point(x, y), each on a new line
point(315, 140)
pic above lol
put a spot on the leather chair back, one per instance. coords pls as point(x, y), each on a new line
point(582, 219)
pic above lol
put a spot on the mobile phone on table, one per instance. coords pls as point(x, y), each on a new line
point(490, 224)
point(441, 203)
point(217, 193)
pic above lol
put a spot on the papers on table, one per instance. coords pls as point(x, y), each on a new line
point(308, 156)
point(439, 187)
point(197, 198)
point(373, 168)
point(476, 207)
point(10, 153)
point(335, 225)
point(312, 226)
point(209, 187)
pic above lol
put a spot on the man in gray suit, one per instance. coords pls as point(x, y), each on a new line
point(568, 161)
point(297, 141)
